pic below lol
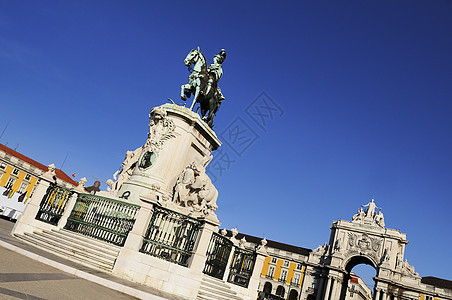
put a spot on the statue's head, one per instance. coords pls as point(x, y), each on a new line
point(220, 57)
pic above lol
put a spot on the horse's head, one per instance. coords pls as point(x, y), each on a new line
point(191, 57)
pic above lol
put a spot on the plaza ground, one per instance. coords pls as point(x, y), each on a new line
point(25, 273)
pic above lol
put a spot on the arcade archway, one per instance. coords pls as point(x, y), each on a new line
point(352, 283)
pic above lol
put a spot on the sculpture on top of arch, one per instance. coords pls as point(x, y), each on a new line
point(370, 216)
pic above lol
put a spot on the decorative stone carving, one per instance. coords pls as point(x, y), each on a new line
point(127, 167)
point(234, 232)
point(337, 245)
point(194, 189)
point(365, 243)
point(379, 219)
point(261, 247)
point(359, 215)
point(385, 256)
point(82, 182)
point(351, 240)
point(161, 129)
point(322, 249)
point(407, 269)
point(51, 168)
point(223, 232)
point(81, 185)
point(242, 243)
point(370, 213)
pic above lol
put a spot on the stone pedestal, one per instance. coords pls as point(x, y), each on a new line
point(168, 172)
point(177, 137)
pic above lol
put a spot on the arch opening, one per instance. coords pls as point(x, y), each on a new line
point(280, 291)
point(293, 295)
point(358, 281)
point(267, 288)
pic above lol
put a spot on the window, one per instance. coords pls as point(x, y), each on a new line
point(299, 266)
point(27, 177)
point(271, 272)
point(283, 275)
point(428, 298)
point(2, 166)
point(15, 171)
point(10, 182)
point(23, 187)
point(286, 263)
point(274, 259)
point(296, 278)
point(314, 283)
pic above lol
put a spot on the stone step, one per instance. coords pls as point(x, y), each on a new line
point(215, 296)
point(93, 256)
point(220, 287)
point(79, 257)
point(65, 238)
point(89, 240)
point(75, 247)
point(212, 288)
point(211, 278)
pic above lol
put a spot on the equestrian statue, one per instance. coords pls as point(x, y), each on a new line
point(203, 83)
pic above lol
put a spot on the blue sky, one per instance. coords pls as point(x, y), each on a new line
point(363, 90)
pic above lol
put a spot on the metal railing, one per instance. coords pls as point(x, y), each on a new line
point(102, 218)
point(52, 205)
point(171, 236)
point(242, 266)
point(217, 255)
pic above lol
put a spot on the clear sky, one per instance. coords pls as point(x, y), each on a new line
point(361, 90)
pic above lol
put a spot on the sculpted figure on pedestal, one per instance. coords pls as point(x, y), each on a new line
point(195, 189)
point(379, 219)
point(359, 215)
point(408, 269)
point(369, 216)
point(370, 213)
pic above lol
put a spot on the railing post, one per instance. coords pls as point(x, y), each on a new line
point(253, 285)
point(71, 202)
point(135, 238)
point(27, 222)
point(199, 256)
point(228, 266)
point(67, 210)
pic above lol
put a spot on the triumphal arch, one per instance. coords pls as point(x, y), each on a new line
point(364, 240)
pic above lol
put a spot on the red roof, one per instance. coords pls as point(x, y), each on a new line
point(59, 173)
point(354, 279)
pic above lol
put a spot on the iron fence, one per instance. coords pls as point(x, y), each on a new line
point(217, 255)
point(102, 218)
point(242, 266)
point(171, 236)
point(52, 204)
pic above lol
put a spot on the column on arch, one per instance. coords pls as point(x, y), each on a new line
point(320, 289)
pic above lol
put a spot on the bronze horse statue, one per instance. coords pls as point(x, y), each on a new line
point(202, 83)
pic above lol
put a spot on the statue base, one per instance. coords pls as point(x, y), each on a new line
point(170, 167)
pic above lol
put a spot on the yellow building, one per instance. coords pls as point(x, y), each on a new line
point(19, 176)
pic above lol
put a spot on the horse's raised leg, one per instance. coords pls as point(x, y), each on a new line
point(182, 91)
